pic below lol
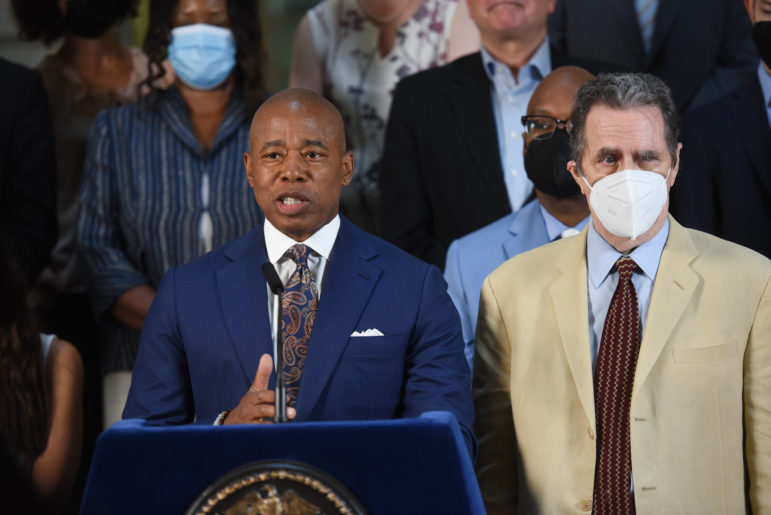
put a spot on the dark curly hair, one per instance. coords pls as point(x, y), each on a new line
point(43, 20)
point(24, 390)
point(247, 33)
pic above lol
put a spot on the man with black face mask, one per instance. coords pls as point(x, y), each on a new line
point(725, 177)
point(559, 210)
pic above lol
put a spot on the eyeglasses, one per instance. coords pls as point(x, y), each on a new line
point(543, 127)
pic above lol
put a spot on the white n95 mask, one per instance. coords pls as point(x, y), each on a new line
point(628, 202)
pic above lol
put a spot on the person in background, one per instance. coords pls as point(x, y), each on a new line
point(725, 182)
point(27, 177)
point(453, 159)
point(90, 71)
point(163, 181)
point(700, 49)
point(559, 210)
point(354, 52)
point(41, 405)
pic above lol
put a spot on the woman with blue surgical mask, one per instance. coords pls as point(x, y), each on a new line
point(164, 180)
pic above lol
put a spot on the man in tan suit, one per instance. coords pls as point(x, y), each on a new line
point(627, 369)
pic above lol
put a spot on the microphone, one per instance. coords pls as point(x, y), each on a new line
point(276, 286)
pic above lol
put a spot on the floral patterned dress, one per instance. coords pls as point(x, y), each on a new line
point(361, 82)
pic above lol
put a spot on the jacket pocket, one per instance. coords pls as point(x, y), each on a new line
point(377, 345)
point(705, 354)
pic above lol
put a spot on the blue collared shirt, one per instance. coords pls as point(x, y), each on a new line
point(602, 280)
point(510, 97)
point(555, 228)
point(765, 85)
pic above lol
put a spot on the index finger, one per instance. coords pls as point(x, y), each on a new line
point(264, 370)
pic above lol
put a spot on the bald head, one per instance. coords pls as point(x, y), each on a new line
point(557, 91)
point(297, 164)
point(547, 142)
point(300, 101)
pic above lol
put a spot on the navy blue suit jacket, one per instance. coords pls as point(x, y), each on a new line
point(208, 326)
point(701, 49)
point(724, 183)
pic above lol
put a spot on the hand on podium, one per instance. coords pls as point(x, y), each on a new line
point(257, 406)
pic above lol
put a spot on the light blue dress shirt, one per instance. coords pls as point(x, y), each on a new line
point(510, 97)
point(602, 280)
point(765, 85)
point(555, 228)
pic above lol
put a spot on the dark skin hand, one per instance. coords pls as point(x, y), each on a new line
point(132, 306)
point(257, 406)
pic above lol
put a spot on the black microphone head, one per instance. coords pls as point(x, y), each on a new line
point(269, 271)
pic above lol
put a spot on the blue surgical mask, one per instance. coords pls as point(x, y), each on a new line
point(202, 55)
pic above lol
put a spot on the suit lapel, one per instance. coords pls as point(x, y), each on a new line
point(665, 16)
point(244, 300)
point(470, 100)
point(751, 122)
point(626, 16)
point(571, 307)
point(673, 288)
point(348, 284)
point(528, 231)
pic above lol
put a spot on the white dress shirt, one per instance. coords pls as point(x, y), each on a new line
point(320, 249)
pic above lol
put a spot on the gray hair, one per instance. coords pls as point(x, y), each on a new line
point(623, 91)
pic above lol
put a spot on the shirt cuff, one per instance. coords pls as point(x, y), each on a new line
point(221, 418)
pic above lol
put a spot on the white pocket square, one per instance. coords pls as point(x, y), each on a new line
point(368, 332)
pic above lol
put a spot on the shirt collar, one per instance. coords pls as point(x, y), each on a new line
point(601, 256)
point(321, 241)
point(538, 66)
point(765, 83)
point(554, 227)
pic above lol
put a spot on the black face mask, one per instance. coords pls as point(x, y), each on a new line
point(761, 33)
point(92, 18)
point(545, 164)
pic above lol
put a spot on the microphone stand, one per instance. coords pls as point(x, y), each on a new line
point(277, 287)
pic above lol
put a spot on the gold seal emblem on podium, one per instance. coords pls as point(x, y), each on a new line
point(276, 487)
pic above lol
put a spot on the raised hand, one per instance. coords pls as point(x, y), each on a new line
point(257, 406)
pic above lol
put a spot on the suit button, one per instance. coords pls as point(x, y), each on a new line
point(585, 505)
point(590, 432)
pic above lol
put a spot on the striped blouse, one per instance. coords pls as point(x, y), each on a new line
point(150, 200)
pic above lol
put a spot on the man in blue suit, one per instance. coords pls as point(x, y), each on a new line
point(559, 209)
point(369, 331)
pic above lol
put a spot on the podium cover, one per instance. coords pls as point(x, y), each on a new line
point(419, 465)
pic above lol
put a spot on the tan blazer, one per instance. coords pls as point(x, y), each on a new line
point(703, 377)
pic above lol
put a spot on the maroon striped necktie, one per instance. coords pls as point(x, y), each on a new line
point(613, 381)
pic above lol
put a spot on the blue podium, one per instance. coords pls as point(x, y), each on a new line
point(403, 466)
